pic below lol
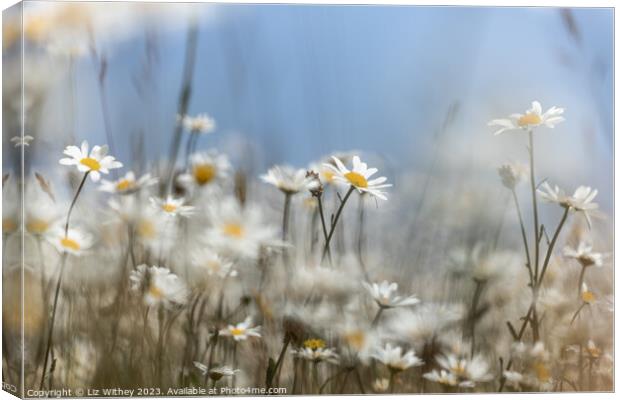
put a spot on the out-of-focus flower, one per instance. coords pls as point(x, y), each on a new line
point(172, 207)
point(512, 174)
point(95, 162)
point(210, 262)
point(584, 255)
point(359, 342)
point(75, 242)
point(358, 177)
point(288, 179)
point(216, 373)
point(22, 140)
point(152, 228)
point(201, 123)
point(242, 330)
point(586, 295)
point(513, 379)
point(236, 232)
point(423, 323)
point(158, 286)
point(127, 184)
point(205, 169)
point(593, 350)
point(381, 385)
point(442, 376)
point(468, 371)
point(532, 118)
point(581, 200)
point(315, 350)
point(395, 359)
point(384, 295)
point(40, 211)
point(539, 352)
point(541, 375)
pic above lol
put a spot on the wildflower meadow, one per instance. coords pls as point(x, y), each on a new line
point(202, 269)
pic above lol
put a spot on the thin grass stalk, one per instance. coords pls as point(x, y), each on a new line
point(524, 237)
point(324, 226)
point(552, 245)
point(77, 193)
point(534, 202)
point(186, 88)
point(335, 222)
point(50, 332)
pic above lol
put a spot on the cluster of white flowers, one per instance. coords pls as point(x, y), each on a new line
point(212, 287)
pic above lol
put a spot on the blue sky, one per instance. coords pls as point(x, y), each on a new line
point(302, 81)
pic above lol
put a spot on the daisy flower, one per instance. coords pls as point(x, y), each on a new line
point(242, 330)
point(75, 242)
point(358, 177)
point(584, 255)
point(95, 162)
point(216, 373)
point(593, 350)
point(381, 385)
point(581, 200)
point(586, 295)
point(40, 211)
point(22, 140)
point(288, 179)
point(442, 376)
point(513, 379)
point(512, 174)
point(238, 232)
point(153, 229)
point(395, 359)
point(201, 123)
point(205, 169)
point(315, 350)
point(172, 207)
point(327, 174)
point(212, 264)
point(385, 295)
point(127, 184)
point(158, 286)
point(532, 118)
point(468, 371)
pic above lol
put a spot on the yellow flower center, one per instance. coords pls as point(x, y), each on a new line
point(328, 175)
point(204, 173)
point(445, 380)
point(36, 28)
point(542, 373)
point(70, 244)
point(237, 331)
point(125, 184)
point(588, 297)
point(314, 344)
point(146, 229)
point(91, 163)
point(213, 266)
point(37, 226)
point(594, 352)
point(529, 119)
point(356, 179)
point(459, 368)
point(155, 292)
point(233, 229)
point(355, 339)
point(8, 225)
point(169, 208)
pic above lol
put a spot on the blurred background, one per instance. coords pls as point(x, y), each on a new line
point(413, 85)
